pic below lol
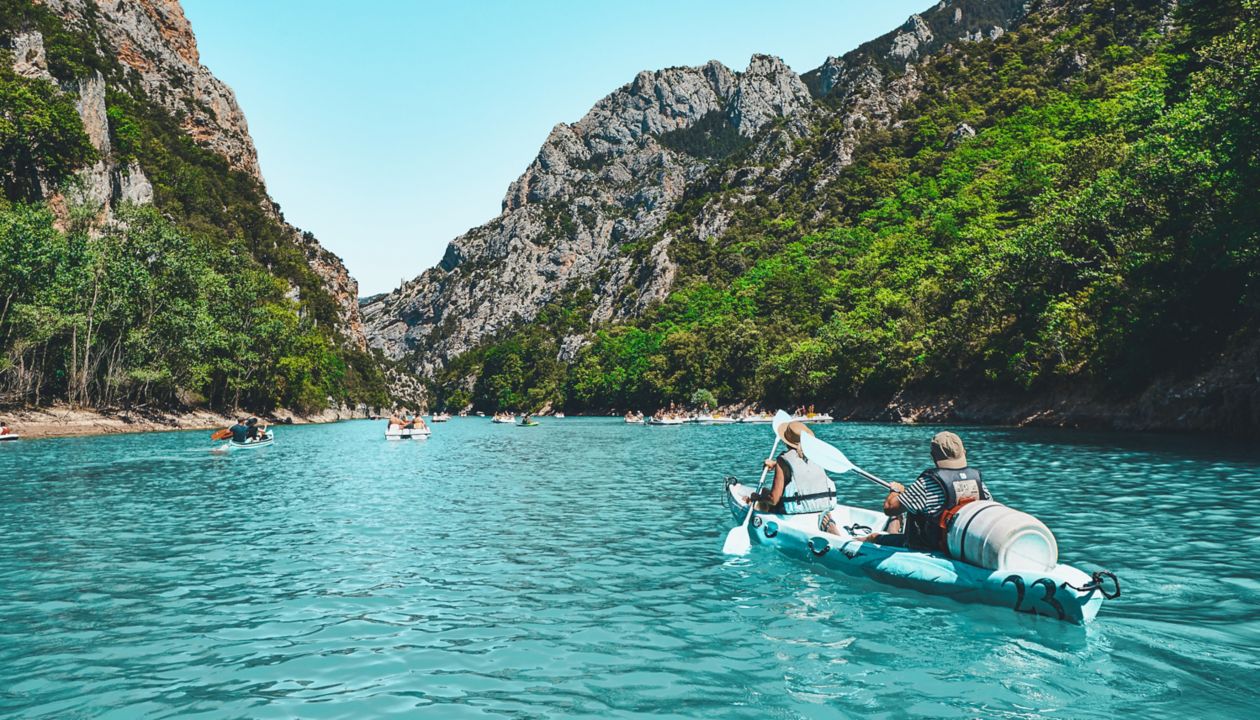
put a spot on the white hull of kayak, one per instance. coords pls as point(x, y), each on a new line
point(407, 434)
point(250, 445)
point(1051, 593)
point(10, 436)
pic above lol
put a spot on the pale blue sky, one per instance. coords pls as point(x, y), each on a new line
point(388, 127)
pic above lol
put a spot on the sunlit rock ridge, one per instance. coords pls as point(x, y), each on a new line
point(589, 213)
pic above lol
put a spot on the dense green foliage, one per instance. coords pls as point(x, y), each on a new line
point(206, 298)
point(1099, 231)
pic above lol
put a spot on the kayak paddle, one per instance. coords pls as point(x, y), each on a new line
point(737, 542)
point(833, 460)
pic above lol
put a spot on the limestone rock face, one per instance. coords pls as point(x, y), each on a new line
point(154, 43)
point(596, 186)
point(588, 215)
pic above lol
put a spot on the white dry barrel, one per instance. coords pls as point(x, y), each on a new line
point(994, 536)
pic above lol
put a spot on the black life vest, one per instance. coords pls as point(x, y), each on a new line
point(959, 486)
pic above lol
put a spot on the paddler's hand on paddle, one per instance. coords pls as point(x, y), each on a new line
point(896, 487)
point(770, 463)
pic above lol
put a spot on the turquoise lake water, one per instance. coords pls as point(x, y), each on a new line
point(574, 570)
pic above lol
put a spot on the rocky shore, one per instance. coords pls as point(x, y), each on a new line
point(66, 421)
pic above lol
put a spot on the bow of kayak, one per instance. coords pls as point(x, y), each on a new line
point(1062, 592)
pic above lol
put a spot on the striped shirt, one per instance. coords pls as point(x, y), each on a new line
point(925, 496)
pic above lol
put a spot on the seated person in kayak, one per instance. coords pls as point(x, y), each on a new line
point(938, 491)
point(254, 432)
point(240, 431)
point(799, 486)
point(4, 428)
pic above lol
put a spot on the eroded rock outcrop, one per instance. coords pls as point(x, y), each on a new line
point(157, 57)
point(589, 213)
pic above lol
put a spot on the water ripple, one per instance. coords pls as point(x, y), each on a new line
point(573, 570)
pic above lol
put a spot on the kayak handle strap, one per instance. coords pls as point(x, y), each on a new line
point(1096, 583)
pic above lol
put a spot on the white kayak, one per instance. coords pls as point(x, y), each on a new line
point(394, 432)
point(266, 441)
point(1061, 592)
point(9, 436)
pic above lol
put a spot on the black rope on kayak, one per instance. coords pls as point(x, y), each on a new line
point(855, 529)
point(1096, 583)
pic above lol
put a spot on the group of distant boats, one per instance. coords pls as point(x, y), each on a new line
point(677, 417)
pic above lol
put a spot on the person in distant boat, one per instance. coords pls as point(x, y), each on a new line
point(240, 431)
point(938, 491)
point(4, 428)
point(799, 486)
point(253, 431)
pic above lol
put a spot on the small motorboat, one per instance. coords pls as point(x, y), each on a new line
point(634, 418)
point(762, 418)
point(1046, 587)
point(397, 432)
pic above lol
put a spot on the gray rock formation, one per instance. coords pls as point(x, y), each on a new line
point(589, 212)
point(154, 44)
point(596, 186)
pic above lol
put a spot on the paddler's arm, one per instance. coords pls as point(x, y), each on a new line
point(892, 503)
point(771, 495)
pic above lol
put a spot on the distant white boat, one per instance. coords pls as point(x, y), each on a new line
point(757, 419)
point(505, 419)
point(814, 418)
point(664, 421)
point(9, 436)
point(441, 417)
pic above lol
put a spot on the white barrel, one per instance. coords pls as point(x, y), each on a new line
point(994, 536)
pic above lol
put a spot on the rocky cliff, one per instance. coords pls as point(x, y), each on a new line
point(150, 55)
point(589, 215)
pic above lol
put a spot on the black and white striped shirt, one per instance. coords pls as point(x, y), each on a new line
point(925, 496)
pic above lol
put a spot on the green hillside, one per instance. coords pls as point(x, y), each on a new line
point(1099, 233)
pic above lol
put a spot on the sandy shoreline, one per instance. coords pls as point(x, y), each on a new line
point(66, 421)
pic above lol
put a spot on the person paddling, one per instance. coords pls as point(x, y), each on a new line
point(240, 431)
point(937, 492)
point(799, 486)
point(4, 428)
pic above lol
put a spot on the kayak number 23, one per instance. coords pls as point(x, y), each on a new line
point(1047, 597)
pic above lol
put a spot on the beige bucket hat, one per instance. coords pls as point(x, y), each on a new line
point(948, 451)
point(793, 431)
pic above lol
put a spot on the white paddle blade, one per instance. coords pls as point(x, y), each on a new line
point(826, 455)
point(781, 420)
point(737, 541)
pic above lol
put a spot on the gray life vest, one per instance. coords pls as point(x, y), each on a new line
point(806, 487)
point(958, 486)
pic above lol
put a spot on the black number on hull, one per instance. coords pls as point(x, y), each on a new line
point(1048, 588)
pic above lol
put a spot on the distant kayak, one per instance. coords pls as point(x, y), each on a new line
point(10, 436)
point(397, 433)
point(532, 423)
point(266, 441)
point(1061, 591)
